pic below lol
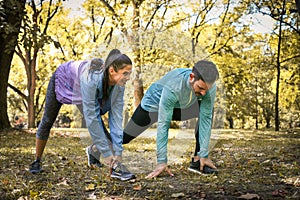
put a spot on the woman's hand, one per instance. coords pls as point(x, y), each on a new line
point(159, 169)
point(116, 160)
point(109, 161)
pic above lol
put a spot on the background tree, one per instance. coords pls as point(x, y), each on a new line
point(11, 14)
point(163, 35)
point(32, 40)
point(286, 20)
point(133, 19)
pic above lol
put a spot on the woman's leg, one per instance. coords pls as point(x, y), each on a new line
point(139, 122)
point(51, 110)
point(93, 151)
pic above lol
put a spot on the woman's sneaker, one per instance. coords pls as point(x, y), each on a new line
point(195, 167)
point(120, 172)
point(92, 161)
point(36, 167)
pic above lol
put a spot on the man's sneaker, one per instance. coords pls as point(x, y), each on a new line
point(92, 161)
point(195, 167)
point(36, 167)
point(121, 172)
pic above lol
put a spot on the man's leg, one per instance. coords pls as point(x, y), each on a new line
point(139, 122)
point(189, 113)
point(197, 147)
point(186, 113)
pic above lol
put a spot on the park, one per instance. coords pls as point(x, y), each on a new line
point(151, 61)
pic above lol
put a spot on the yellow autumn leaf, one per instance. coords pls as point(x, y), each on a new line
point(90, 187)
point(33, 193)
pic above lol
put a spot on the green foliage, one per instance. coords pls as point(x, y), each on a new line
point(163, 35)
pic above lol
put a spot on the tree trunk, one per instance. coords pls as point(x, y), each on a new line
point(268, 125)
point(134, 39)
point(230, 120)
point(277, 120)
point(12, 17)
point(138, 89)
point(31, 96)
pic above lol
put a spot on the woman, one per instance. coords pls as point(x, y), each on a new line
point(99, 89)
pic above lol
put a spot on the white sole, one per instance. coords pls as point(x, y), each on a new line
point(195, 171)
point(122, 179)
point(87, 154)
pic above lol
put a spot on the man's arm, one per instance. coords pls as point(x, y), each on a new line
point(205, 121)
point(165, 112)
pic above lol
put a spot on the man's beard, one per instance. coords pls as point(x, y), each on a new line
point(198, 94)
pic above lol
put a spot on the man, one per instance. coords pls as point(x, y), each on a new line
point(179, 95)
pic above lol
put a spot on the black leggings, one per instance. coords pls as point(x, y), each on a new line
point(51, 111)
point(142, 120)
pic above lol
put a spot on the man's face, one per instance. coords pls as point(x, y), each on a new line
point(199, 87)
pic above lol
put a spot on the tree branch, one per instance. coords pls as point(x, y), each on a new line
point(152, 16)
point(17, 91)
point(110, 9)
point(288, 59)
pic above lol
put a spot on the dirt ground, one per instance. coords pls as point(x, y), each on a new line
point(252, 165)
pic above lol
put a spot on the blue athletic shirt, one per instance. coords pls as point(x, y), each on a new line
point(174, 91)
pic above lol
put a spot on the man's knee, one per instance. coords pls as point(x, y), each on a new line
point(127, 138)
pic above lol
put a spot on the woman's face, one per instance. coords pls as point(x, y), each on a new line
point(121, 76)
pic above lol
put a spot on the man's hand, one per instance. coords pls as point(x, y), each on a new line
point(159, 169)
point(207, 162)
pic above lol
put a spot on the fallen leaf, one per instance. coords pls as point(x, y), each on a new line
point(92, 196)
point(5, 182)
point(23, 198)
point(15, 191)
point(63, 183)
point(279, 193)
point(55, 169)
point(202, 195)
point(132, 181)
point(102, 186)
point(33, 194)
point(137, 187)
point(177, 195)
point(249, 196)
point(90, 187)
point(266, 161)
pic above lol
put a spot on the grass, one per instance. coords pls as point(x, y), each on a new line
point(252, 164)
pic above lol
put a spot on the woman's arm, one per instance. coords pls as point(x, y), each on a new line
point(91, 109)
point(116, 119)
